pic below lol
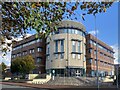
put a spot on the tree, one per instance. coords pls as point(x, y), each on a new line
point(23, 65)
point(20, 17)
point(3, 67)
point(15, 65)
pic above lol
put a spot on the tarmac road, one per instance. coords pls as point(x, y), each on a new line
point(14, 87)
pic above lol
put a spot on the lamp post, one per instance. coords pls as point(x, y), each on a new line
point(97, 56)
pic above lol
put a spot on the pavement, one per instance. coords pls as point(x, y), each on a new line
point(13, 86)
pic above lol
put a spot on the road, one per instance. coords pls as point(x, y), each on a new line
point(14, 87)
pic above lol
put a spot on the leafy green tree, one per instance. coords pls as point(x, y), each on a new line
point(3, 67)
point(23, 65)
point(15, 65)
point(27, 64)
point(20, 17)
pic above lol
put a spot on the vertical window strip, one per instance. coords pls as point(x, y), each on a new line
point(56, 46)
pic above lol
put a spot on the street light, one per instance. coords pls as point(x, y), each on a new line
point(97, 56)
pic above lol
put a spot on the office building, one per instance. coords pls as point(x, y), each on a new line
point(105, 57)
point(31, 46)
point(66, 50)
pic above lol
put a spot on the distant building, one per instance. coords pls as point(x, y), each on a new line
point(31, 46)
point(104, 55)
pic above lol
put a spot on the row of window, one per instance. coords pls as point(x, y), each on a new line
point(61, 56)
point(101, 54)
point(70, 31)
point(39, 49)
point(75, 44)
point(56, 56)
point(101, 73)
point(106, 56)
point(100, 46)
point(27, 44)
point(102, 62)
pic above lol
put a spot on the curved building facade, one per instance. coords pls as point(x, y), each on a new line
point(66, 50)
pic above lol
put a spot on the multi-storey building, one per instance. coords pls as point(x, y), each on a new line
point(31, 46)
point(65, 50)
point(104, 55)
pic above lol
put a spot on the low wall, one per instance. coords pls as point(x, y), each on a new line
point(40, 81)
point(31, 76)
point(7, 78)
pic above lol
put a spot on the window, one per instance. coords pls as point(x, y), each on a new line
point(39, 49)
point(84, 47)
point(39, 59)
point(73, 56)
point(56, 56)
point(73, 31)
point(60, 31)
point(90, 50)
point(31, 50)
point(76, 31)
point(69, 30)
point(91, 42)
point(48, 57)
point(80, 33)
point(14, 55)
point(19, 54)
point(79, 46)
point(78, 56)
point(95, 52)
point(48, 48)
point(84, 58)
point(24, 52)
point(83, 34)
point(62, 45)
point(56, 46)
point(95, 62)
point(90, 60)
point(73, 46)
point(62, 55)
point(65, 30)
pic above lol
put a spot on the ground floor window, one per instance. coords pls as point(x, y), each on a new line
point(67, 72)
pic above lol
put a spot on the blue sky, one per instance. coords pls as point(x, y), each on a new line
point(107, 26)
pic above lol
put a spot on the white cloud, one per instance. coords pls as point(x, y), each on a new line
point(115, 48)
point(93, 32)
point(6, 59)
point(20, 38)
